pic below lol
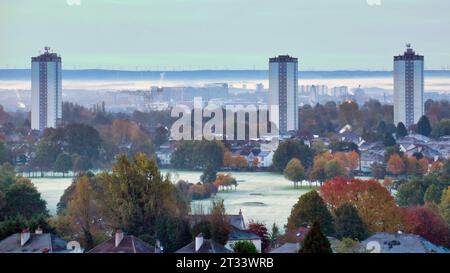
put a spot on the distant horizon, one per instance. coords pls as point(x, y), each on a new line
point(222, 69)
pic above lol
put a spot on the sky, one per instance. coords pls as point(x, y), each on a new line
point(224, 34)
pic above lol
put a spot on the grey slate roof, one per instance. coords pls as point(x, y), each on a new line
point(37, 243)
point(403, 243)
point(286, 248)
point(238, 234)
point(129, 244)
point(208, 246)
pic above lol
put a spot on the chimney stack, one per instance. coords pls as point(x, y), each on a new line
point(198, 242)
point(119, 237)
point(38, 231)
point(24, 236)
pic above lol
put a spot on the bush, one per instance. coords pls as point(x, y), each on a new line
point(244, 247)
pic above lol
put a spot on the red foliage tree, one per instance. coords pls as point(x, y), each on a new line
point(374, 203)
point(261, 230)
point(426, 223)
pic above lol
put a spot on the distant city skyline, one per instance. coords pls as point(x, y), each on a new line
point(223, 34)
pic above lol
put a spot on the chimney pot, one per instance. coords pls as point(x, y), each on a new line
point(198, 242)
point(24, 236)
point(118, 237)
point(38, 231)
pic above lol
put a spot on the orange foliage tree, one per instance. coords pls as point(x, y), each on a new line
point(423, 166)
point(255, 162)
point(228, 159)
point(225, 181)
point(412, 165)
point(395, 164)
point(234, 161)
point(240, 162)
point(374, 203)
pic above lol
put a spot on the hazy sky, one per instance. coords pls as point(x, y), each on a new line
point(226, 34)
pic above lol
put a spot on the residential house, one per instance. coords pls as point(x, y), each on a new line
point(294, 239)
point(38, 242)
point(201, 245)
point(238, 229)
point(164, 155)
point(400, 243)
point(367, 158)
point(122, 243)
point(287, 248)
point(265, 159)
point(237, 235)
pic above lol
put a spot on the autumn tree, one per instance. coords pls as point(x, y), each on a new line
point(436, 166)
point(334, 169)
point(318, 170)
point(225, 181)
point(348, 160)
point(240, 162)
point(255, 162)
point(374, 203)
point(412, 165)
point(82, 210)
point(353, 160)
point(260, 229)
point(423, 166)
point(310, 208)
point(228, 158)
point(295, 171)
point(424, 222)
point(220, 227)
point(138, 199)
point(396, 165)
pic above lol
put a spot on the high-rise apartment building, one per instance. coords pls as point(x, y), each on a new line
point(283, 85)
point(408, 87)
point(46, 91)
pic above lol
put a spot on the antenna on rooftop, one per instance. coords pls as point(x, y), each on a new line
point(408, 45)
point(46, 49)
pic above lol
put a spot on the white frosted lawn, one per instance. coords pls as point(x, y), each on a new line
point(262, 196)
